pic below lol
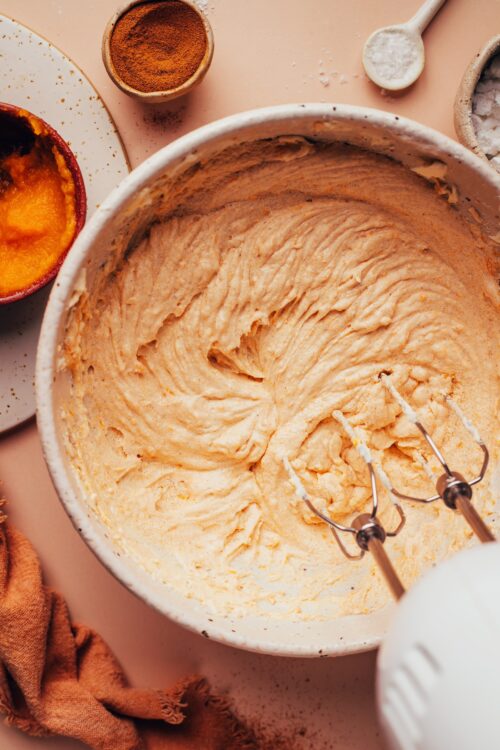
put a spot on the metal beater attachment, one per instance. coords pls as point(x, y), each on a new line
point(451, 487)
point(366, 528)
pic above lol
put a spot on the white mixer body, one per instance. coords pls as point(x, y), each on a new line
point(438, 681)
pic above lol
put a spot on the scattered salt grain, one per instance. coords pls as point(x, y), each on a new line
point(202, 5)
point(486, 112)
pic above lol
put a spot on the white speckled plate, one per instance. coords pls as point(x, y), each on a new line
point(37, 76)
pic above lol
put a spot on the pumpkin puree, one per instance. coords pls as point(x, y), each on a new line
point(37, 214)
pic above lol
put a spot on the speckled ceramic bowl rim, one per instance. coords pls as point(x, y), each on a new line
point(46, 368)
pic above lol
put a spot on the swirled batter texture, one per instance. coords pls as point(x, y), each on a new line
point(289, 276)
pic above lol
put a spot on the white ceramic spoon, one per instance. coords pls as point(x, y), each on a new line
point(394, 56)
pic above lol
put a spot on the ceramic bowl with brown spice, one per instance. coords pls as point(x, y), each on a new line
point(158, 49)
point(463, 108)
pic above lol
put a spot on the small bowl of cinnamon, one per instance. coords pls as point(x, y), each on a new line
point(158, 50)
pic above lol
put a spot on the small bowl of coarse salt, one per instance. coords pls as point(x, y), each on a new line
point(477, 104)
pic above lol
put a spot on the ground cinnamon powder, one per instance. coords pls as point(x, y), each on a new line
point(157, 46)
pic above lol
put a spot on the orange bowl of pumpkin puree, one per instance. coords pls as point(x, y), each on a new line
point(42, 202)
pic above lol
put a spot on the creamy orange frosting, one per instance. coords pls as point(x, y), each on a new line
point(287, 276)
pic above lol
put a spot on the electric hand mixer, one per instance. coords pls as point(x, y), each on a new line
point(438, 671)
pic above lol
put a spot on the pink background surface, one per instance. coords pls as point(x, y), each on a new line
point(266, 52)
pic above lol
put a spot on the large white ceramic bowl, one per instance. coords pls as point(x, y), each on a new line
point(120, 219)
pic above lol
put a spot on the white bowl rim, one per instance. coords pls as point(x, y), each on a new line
point(57, 306)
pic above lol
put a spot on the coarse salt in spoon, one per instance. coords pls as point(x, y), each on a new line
point(394, 56)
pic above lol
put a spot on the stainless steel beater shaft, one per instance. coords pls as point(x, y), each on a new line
point(457, 493)
point(370, 536)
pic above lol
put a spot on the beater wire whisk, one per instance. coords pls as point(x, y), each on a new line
point(366, 528)
point(451, 486)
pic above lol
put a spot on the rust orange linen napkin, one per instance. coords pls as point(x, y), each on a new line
point(57, 678)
